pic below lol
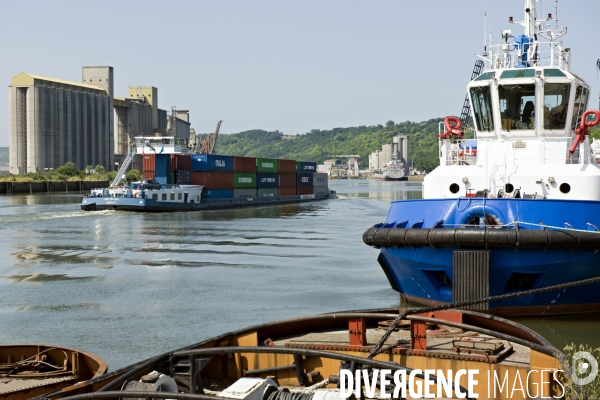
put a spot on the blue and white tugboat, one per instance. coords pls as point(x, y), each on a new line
point(518, 207)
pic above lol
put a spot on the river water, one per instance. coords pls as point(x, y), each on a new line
point(127, 286)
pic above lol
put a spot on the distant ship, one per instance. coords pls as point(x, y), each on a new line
point(392, 171)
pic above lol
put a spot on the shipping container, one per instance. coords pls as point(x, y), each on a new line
point(304, 179)
point(148, 175)
point(244, 164)
point(148, 163)
point(304, 166)
point(217, 193)
point(267, 181)
point(287, 191)
point(181, 162)
point(286, 166)
point(244, 193)
point(211, 163)
point(183, 177)
point(266, 192)
point(320, 179)
point(266, 165)
point(244, 180)
point(162, 163)
point(320, 190)
point(213, 180)
point(287, 180)
point(161, 179)
point(304, 190)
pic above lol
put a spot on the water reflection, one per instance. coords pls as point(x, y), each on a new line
point(40, 198)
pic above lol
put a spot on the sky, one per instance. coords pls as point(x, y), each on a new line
point(290, 66)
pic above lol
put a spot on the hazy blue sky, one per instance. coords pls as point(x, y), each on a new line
point(291, 66)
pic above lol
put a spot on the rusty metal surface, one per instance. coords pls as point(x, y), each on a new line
point(357, 329)
point(14, 385)
point(277, 330)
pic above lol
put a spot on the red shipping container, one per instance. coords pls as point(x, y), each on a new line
point(213, 180)
point(304, 190)
point(287, 180)
point(181, 162)
point(148, 174)
point(244, 164)
point(149, 163)
point(287, 191)
point(286, 166)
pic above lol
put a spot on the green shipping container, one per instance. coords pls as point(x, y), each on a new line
point(298, 167)
point(266, 165)
point(244, 180)
point(267, 192)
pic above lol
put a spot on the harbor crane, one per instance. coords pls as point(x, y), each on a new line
point(208, 147)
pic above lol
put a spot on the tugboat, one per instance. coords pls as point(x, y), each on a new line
point(516, 208)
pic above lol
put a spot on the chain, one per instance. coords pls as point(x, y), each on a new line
point(379, 346)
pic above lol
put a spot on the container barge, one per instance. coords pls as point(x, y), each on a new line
point(178, 181)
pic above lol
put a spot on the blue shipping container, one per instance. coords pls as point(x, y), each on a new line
point(304, 179)
point(162, 165)
point(211, 163)
point(217, 193)
point(308, 166)
point(267, 181)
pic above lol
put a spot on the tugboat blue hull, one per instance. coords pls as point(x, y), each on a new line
point(423, 271)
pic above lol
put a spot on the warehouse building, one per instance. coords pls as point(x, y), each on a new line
point(53, 121)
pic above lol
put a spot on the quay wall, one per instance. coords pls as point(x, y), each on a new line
point(51, 186)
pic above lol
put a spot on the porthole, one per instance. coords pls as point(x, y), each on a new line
point(508, 188)
point(454, 188)
point(565, 188)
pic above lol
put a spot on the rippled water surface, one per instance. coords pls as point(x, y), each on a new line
point(126, 286)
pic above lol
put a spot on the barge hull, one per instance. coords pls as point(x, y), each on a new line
point(145, 205)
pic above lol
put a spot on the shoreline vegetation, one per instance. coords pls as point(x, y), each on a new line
point(70, 173)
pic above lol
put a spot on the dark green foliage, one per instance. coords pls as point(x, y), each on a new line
point(69, 169)
point(133, 175)
point(319, 145)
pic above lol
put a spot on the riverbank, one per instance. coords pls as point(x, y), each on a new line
point(10, 187)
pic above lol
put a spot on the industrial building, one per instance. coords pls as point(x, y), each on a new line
point(397, 150)
point(54, 121)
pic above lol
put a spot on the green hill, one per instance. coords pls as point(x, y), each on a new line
point(317, 144)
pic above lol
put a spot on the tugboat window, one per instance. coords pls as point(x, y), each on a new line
point(454, 188)
point(581, 95)
point(517, 106)
point(556, 103)
point(482, 108)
